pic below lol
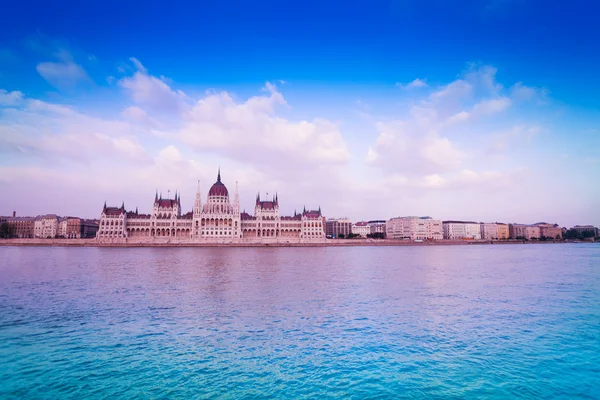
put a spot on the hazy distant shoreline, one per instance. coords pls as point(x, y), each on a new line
point(329, 243)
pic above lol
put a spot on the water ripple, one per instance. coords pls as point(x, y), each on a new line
point(423, 322)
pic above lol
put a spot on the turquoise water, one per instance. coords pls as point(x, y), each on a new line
point(500, 321)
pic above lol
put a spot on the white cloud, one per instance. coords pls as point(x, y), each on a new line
point(410, 149)
point(455, 91)
point(152, 92)
point(50, 131)
point(415, 84)
point(492, 106)
point(64, 74)
point(517, 135)
point(521, 92)
point(10, 98)
point(251, 131)
point(138, 65)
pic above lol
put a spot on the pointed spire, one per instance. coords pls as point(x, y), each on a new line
point(123, 205)
point(104, 209)
point(219, 175)
point(136, 210)
point(156, 196)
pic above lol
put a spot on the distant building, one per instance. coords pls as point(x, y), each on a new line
point(414, 228)
point(46, 226)
point(377, 226)
point(334, 227)
point(89, 228)
point(550, 230)
point(22, 227)
point(586, 228)
point(516, 231)
point(521, 231)
point(489, 231)
point(532, 232)
point(457, 230)
point(216, 221)
point(62, 227)
point(503, 232)
point(361, 228)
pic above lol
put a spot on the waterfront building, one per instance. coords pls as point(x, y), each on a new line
point(458, 230)
point(377, 226)
point(74, 228)
point(586, 228)
point(503, 232)
point(46, 226)
point(334, 227)
point(361, 228)
point(489, 231)
point(219, 220)
point(532, 232)
point(89, 228)
point(552, 231)
point(521, 231)
point(22, 227)
point(62, 227)
point(414, 228)
point(516, 231)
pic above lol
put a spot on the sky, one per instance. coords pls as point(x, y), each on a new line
point(485, 110)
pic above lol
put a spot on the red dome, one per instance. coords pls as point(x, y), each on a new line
point(218, 189)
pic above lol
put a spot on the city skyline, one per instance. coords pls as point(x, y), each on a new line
point(370, 110)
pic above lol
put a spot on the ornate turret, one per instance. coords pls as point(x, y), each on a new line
point(236, 200)
point(198, 202)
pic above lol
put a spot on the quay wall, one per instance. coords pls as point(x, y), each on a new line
point(327, 243)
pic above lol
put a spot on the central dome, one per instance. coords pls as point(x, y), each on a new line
point(218, 189)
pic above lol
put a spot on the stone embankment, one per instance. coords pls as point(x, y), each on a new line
point(328, 243)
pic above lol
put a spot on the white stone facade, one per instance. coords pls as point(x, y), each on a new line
point(62, 227)
point(459, 230)
point(489, 231)
point(46, 226)
point(414, 228)
point(361, 228)
point(216, 221)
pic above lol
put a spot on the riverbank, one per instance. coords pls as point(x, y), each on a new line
point(328, 243)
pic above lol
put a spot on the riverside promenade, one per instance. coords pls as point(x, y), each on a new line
point(327, 243)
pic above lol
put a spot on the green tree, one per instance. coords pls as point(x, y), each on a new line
point(6, 231)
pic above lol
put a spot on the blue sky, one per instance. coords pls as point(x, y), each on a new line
point(481, 109)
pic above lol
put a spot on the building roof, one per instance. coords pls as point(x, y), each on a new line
point(218, 188)
point(187, 215)
point(296, 217)
point(312, 214)
point(246, 217)
point(266, 205)
point(113, 210)
point(362, 223)
point(17, 219)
